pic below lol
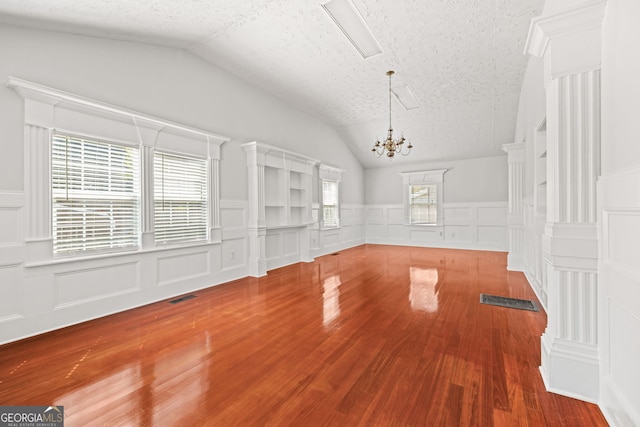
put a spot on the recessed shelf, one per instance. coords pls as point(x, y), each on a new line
point(285, 185)
point(540, 171)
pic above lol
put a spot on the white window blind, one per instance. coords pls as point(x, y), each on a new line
point(95, 190)
point(423, 203)
point(330, 208)
point(180, 198)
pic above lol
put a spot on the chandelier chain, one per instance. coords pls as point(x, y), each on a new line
point(390, 73)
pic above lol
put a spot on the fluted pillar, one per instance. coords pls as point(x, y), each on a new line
point(515, 219)
point(213, 158)
point(37, 182)
point(38, 126)
point(570, 44)
point(148, 211)
point(256, 215)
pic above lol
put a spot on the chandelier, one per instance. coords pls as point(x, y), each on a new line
point(391, 146)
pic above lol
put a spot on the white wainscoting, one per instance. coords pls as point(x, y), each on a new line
point(43, 297)
point(283, 246)
point(350, 233)
point(11, 227)
point(235, 243)
point(481, 226)
point(619, 297)
point(71, 287)
point(11, 255)
point(48, 296)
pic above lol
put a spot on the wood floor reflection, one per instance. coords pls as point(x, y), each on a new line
point(372, 336)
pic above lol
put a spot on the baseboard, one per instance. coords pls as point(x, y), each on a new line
point(570, 369)
point(617, 410)
point(440, 245)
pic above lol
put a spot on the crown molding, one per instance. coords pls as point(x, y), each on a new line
point(47, 95)
point(543, 29)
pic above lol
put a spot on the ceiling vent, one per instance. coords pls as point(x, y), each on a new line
point(347, 17)
point(406, 97)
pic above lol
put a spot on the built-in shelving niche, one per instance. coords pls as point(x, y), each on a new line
point(280, 187)
point(541, 168)
point(539, 271)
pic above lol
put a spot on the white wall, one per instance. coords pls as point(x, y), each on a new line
point(164, 82)
point(475, 205)
point(621, 91)
point(473, 180)
point(169, 84)
point(619, 220)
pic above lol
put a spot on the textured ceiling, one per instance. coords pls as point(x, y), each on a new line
point(462, 58)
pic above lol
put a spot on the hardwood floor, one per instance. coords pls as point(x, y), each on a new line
point(372, 336)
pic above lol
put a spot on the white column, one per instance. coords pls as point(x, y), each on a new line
point(38, 119)
point(38, 203)
point(308, 183)
point(515, 219)
point(147, 138)
point(256, 218)
point(570, 44)
point(148, 211)
point(215, 231)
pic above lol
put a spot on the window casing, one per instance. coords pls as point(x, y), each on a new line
point(180, 198)
point(423, 197)
point(423, 202)
point(330, 204)
point(95, 195)
point(48, 112)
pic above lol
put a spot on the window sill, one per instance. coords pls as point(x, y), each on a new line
point(107, 255)
point(298, 225)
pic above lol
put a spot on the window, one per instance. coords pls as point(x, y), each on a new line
point(329, 178)
point(422, 197)
point(96, 195)
point(330, 205)
point(92, 195)
point(423, 202)
point(180, 198)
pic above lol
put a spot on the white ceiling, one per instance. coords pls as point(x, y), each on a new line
point(462, 58)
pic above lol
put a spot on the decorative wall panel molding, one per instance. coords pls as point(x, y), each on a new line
point(88, 285)
point(11, 303)
point(235, 237)
point(182, 267)
point(11, 228)
point(351, 232)
point(481, 226)
point(619, 296)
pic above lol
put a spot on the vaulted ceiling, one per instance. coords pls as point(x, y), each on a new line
point(463, 59)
